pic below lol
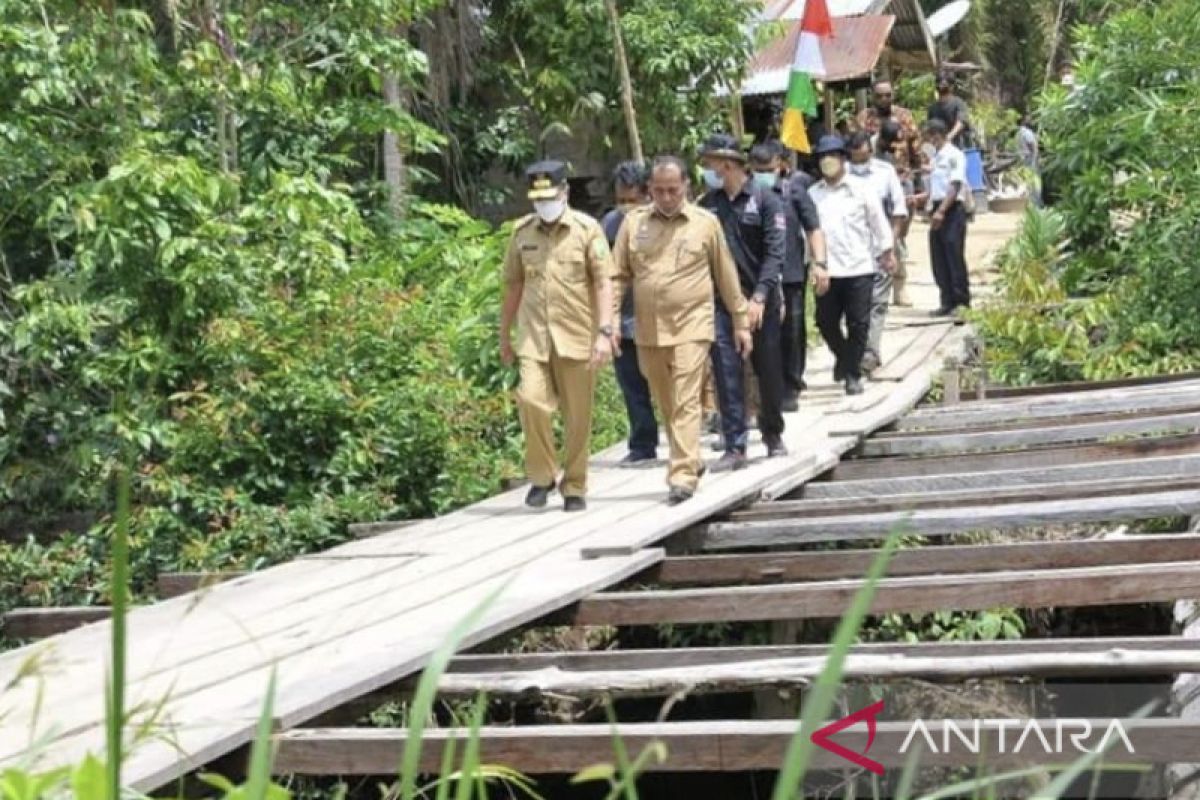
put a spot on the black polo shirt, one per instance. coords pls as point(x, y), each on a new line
point(802, 218)
point(755, 226)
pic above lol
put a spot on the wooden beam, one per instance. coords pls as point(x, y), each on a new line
point(791, 673)
point(1042, 457)
point(940, 522)
point(733, 570)
point(38, 623)
point(695, 656)
point(174, 584)
point(1167, 467)
point(996, 391)
point(1029, 413)
point(940, 444)
point(1089, 586)
point(366, 530)
point(708, 746)
point(965, 497)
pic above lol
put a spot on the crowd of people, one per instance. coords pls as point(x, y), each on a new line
point(698, 296)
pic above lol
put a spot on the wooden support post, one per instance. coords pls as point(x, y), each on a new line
point(627, 107)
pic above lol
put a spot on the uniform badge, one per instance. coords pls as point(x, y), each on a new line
point(780, 222)
point(599, 249)
point(752, 206)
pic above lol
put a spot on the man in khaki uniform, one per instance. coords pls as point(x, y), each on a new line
point(670, 255)
point(558, 288)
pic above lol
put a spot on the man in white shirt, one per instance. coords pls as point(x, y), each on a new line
point(885, 183)
point(858, 241)
point(948, 220)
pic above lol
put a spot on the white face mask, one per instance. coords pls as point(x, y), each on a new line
point(550, 210)
point(860, 169)
point(831, 166)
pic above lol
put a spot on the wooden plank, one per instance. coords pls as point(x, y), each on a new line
point(915, 355)
point(174, 584)
point(940, 522)
point(1042, 457)
point(1168, 467)
point(722, 570)
point(970, 416)
point(1089, 586)
point(1000, 391)
point(964, 497)
point(940, 444)
point(715, 746)
point(695, 656)
point(38, 623)
point(365, 530)
point(794, 673)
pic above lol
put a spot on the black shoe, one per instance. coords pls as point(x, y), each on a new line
point(538, 495)
point(854, 386)
point(574, 504)
point(775, 447)
point(678, 495)
point(631, 459)
point(941, 312)
point(730, 462)
point(790, 404)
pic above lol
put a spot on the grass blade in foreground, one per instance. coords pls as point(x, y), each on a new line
point(426, 693)
point(258, 779)
point(821, 698)
point(114, 713)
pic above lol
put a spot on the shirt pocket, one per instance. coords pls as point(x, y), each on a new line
point(690, 257)
point(571, 265)
point(533, 262)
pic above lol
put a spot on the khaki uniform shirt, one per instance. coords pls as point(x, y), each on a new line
point(560, 264)
point(672, 266)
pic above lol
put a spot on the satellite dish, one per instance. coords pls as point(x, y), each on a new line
point(947, 17)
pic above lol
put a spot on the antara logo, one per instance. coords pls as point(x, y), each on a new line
point(821, 736)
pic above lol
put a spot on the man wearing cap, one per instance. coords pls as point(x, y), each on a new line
point(755, 227)
point(557, 276)
point(858, 241)
point(948, 220)
point(671, 255)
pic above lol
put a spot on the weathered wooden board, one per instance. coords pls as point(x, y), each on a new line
point(939, 521)
point(1002, 392)
point(805, 509)
point(940, 444)
point(915, 355)
point(1089, 586)
point(783, 673)
point(706, 746)
point(732, 570)
point(38, 623)
point(696, 656)
point(1042, 457)
point(174, 584)
point(1167, 467)
point(959, 418)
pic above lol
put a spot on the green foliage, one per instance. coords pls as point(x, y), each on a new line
point(1126, 172)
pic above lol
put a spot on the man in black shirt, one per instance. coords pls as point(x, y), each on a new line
point(755, 227)
point(802, 221)
point(952, 110)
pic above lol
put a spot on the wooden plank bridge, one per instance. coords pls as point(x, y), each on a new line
point(352, 624)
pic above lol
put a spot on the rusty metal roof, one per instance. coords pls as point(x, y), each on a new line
point(851, 53)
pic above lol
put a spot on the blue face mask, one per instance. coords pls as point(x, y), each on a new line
point(712, 180)
point(766, 180)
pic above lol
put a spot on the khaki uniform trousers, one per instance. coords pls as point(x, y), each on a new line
point(545, 387)
point(676, 377)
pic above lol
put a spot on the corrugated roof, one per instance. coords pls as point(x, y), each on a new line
point(794, 9)
point(852, 52)
point(910, 33)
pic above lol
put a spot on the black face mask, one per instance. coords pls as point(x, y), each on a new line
point(883, 111)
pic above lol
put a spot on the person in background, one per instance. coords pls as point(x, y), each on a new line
point(948, 220)
point(802, 224)
point(630, 190)
point(953, 112)
point(882, 179)
point(672, 256)
point(859, 241)
point(755, 227)
point(883, 110)
point(558, 286)
point(1027, 146)
point(888, 148)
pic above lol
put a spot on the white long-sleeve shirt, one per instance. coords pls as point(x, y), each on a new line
point(855, 227)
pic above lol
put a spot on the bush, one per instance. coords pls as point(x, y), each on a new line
point(1126, 171)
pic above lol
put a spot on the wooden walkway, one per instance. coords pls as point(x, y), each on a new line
point(343, 623)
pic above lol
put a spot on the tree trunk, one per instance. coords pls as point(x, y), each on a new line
point(635, 140)
point(394, 171)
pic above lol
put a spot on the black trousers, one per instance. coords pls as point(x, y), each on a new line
point(731, 388)
point(947, 248)
point(848, 299)
point(793, 338)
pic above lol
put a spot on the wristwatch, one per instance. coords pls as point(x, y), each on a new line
point(605, 330)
